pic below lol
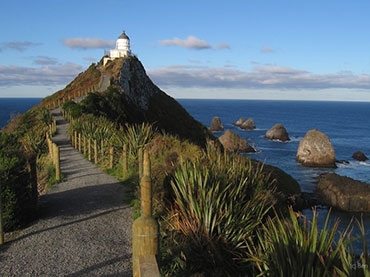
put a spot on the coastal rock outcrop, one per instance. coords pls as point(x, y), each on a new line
point(216, 125)
point(344, 193)
point(235, 143)
point(245, 124)
point(359, 156)
point(277, 132)
point(316, 150)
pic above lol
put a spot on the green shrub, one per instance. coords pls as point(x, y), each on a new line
point(18, 183)
point(73, 109)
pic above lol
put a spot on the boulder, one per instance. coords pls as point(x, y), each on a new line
point(246, 124)
point(235, 143)
point(216, 125)
point(359, 156)
point(277, 132)
point(316, 150)
point(344, 193)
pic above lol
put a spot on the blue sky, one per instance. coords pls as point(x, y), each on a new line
point(193, 49)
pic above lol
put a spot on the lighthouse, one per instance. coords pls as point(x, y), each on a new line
point(122, 48)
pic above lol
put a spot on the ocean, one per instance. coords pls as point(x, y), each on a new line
point(10, 107)
point(346, 124)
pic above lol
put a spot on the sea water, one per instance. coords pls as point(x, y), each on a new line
point(10, 107)
point(345, 123)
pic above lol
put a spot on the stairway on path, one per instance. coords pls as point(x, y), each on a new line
point(85, 227)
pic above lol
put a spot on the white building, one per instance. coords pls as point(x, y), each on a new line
point(122, 48)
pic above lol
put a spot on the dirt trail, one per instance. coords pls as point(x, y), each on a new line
point(85, 227)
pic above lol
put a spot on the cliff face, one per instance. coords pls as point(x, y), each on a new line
point(143, 101)
point(137, 86)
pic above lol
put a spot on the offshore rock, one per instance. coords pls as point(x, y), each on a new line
point(344, 193)
point(359, 156)
point(316, 150)
point(245, 124)
point(277, 132)
point(216, 125)
point(235, 143)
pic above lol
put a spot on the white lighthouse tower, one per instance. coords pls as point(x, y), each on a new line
point(122, 48)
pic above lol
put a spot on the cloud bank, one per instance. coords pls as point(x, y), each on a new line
point(19, 46)
point(88, 43)
point(44, 75)
point(261, 77)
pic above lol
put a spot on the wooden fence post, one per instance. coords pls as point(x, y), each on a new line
point(145, 228)
point(111, 157)
point(140, 161)
point(124, 159)
point(50, 145)
point(76, 142)
point(57, 162)
point(95, 152)
point(79, 143)
point(102, 149)
point(1, 217)
point(89, 149)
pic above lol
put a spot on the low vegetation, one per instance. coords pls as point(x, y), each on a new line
point(24, 166)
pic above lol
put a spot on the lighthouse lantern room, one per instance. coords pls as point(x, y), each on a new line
point(122, 48)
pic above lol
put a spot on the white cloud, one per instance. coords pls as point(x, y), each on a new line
point(261, 77)
point(45, 75)
point(190, 42)
point(88, 43)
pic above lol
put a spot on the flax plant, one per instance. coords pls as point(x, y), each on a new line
point(136, 136)
point(296, 246)
point(215, 213)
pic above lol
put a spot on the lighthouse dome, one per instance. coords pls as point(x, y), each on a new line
point(123, 36)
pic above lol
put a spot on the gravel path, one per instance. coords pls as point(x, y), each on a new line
point(105, 82)
point(84, 229)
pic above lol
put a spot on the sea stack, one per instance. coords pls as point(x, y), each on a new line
point(216, 125)
point(277, 132)
point(316, 150)
point(245, 124)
